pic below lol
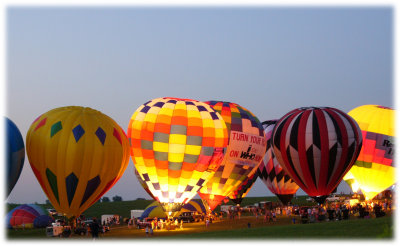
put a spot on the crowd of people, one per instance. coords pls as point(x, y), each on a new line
point(333, 211)
point(151, 224)
point(271, 212)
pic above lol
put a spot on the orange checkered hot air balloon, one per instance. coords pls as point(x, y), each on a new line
point(374, 171)
point(77, 154)
point(176, 146)
point(245, 151)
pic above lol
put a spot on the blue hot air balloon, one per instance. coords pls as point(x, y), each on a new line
point(15, 154)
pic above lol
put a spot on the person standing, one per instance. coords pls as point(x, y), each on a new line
point(94, 228)
point(176, 223)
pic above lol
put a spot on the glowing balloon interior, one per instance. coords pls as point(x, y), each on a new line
point(374, 169)
point(176, 146)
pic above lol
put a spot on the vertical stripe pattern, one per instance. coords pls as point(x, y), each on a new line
point(316, 147)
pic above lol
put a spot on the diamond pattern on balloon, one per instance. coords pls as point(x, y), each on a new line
point(78, 132)
point(101, 135)
point(56, 127)
point(41, 123)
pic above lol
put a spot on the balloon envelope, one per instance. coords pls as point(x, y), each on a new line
point(77, 154)
point(15, 154)
point(374, 169)
point(176, 146)
point(245, 150)
point(316, 146)
point(155, 209)
point(272, 173)
point(23, 216)
point(194, 206)
point(42, 221)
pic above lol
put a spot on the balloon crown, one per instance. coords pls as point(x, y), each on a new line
point(312, 108)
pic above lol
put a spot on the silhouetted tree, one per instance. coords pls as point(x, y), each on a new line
point(117, 199)
point(105, 199)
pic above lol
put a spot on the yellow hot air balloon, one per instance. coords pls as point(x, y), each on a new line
point(374, 169)
point(77, 154)
point(176, 146)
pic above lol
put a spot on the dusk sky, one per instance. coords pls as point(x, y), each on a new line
point(269, 60)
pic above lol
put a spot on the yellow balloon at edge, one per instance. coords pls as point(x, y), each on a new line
point(374, 169)
point(77, 154)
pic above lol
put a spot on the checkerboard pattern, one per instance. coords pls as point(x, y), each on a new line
point(243, 189)
point(176, 145)
point(230, 175)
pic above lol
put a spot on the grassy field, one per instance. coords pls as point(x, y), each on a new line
point(350, 229)
point(379, 228)
point(282, 229)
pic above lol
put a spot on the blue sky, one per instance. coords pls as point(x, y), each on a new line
point(269, 60)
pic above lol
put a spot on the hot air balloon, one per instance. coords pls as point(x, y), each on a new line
point(24, 216)
point(155, 209)
point(316, 147)
point(176, 146)
point(15, 154)
point(244, 188)
point(245, 151)
point(272, 173)
point(77, 154)
point(194, 206)
point(374, 169)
